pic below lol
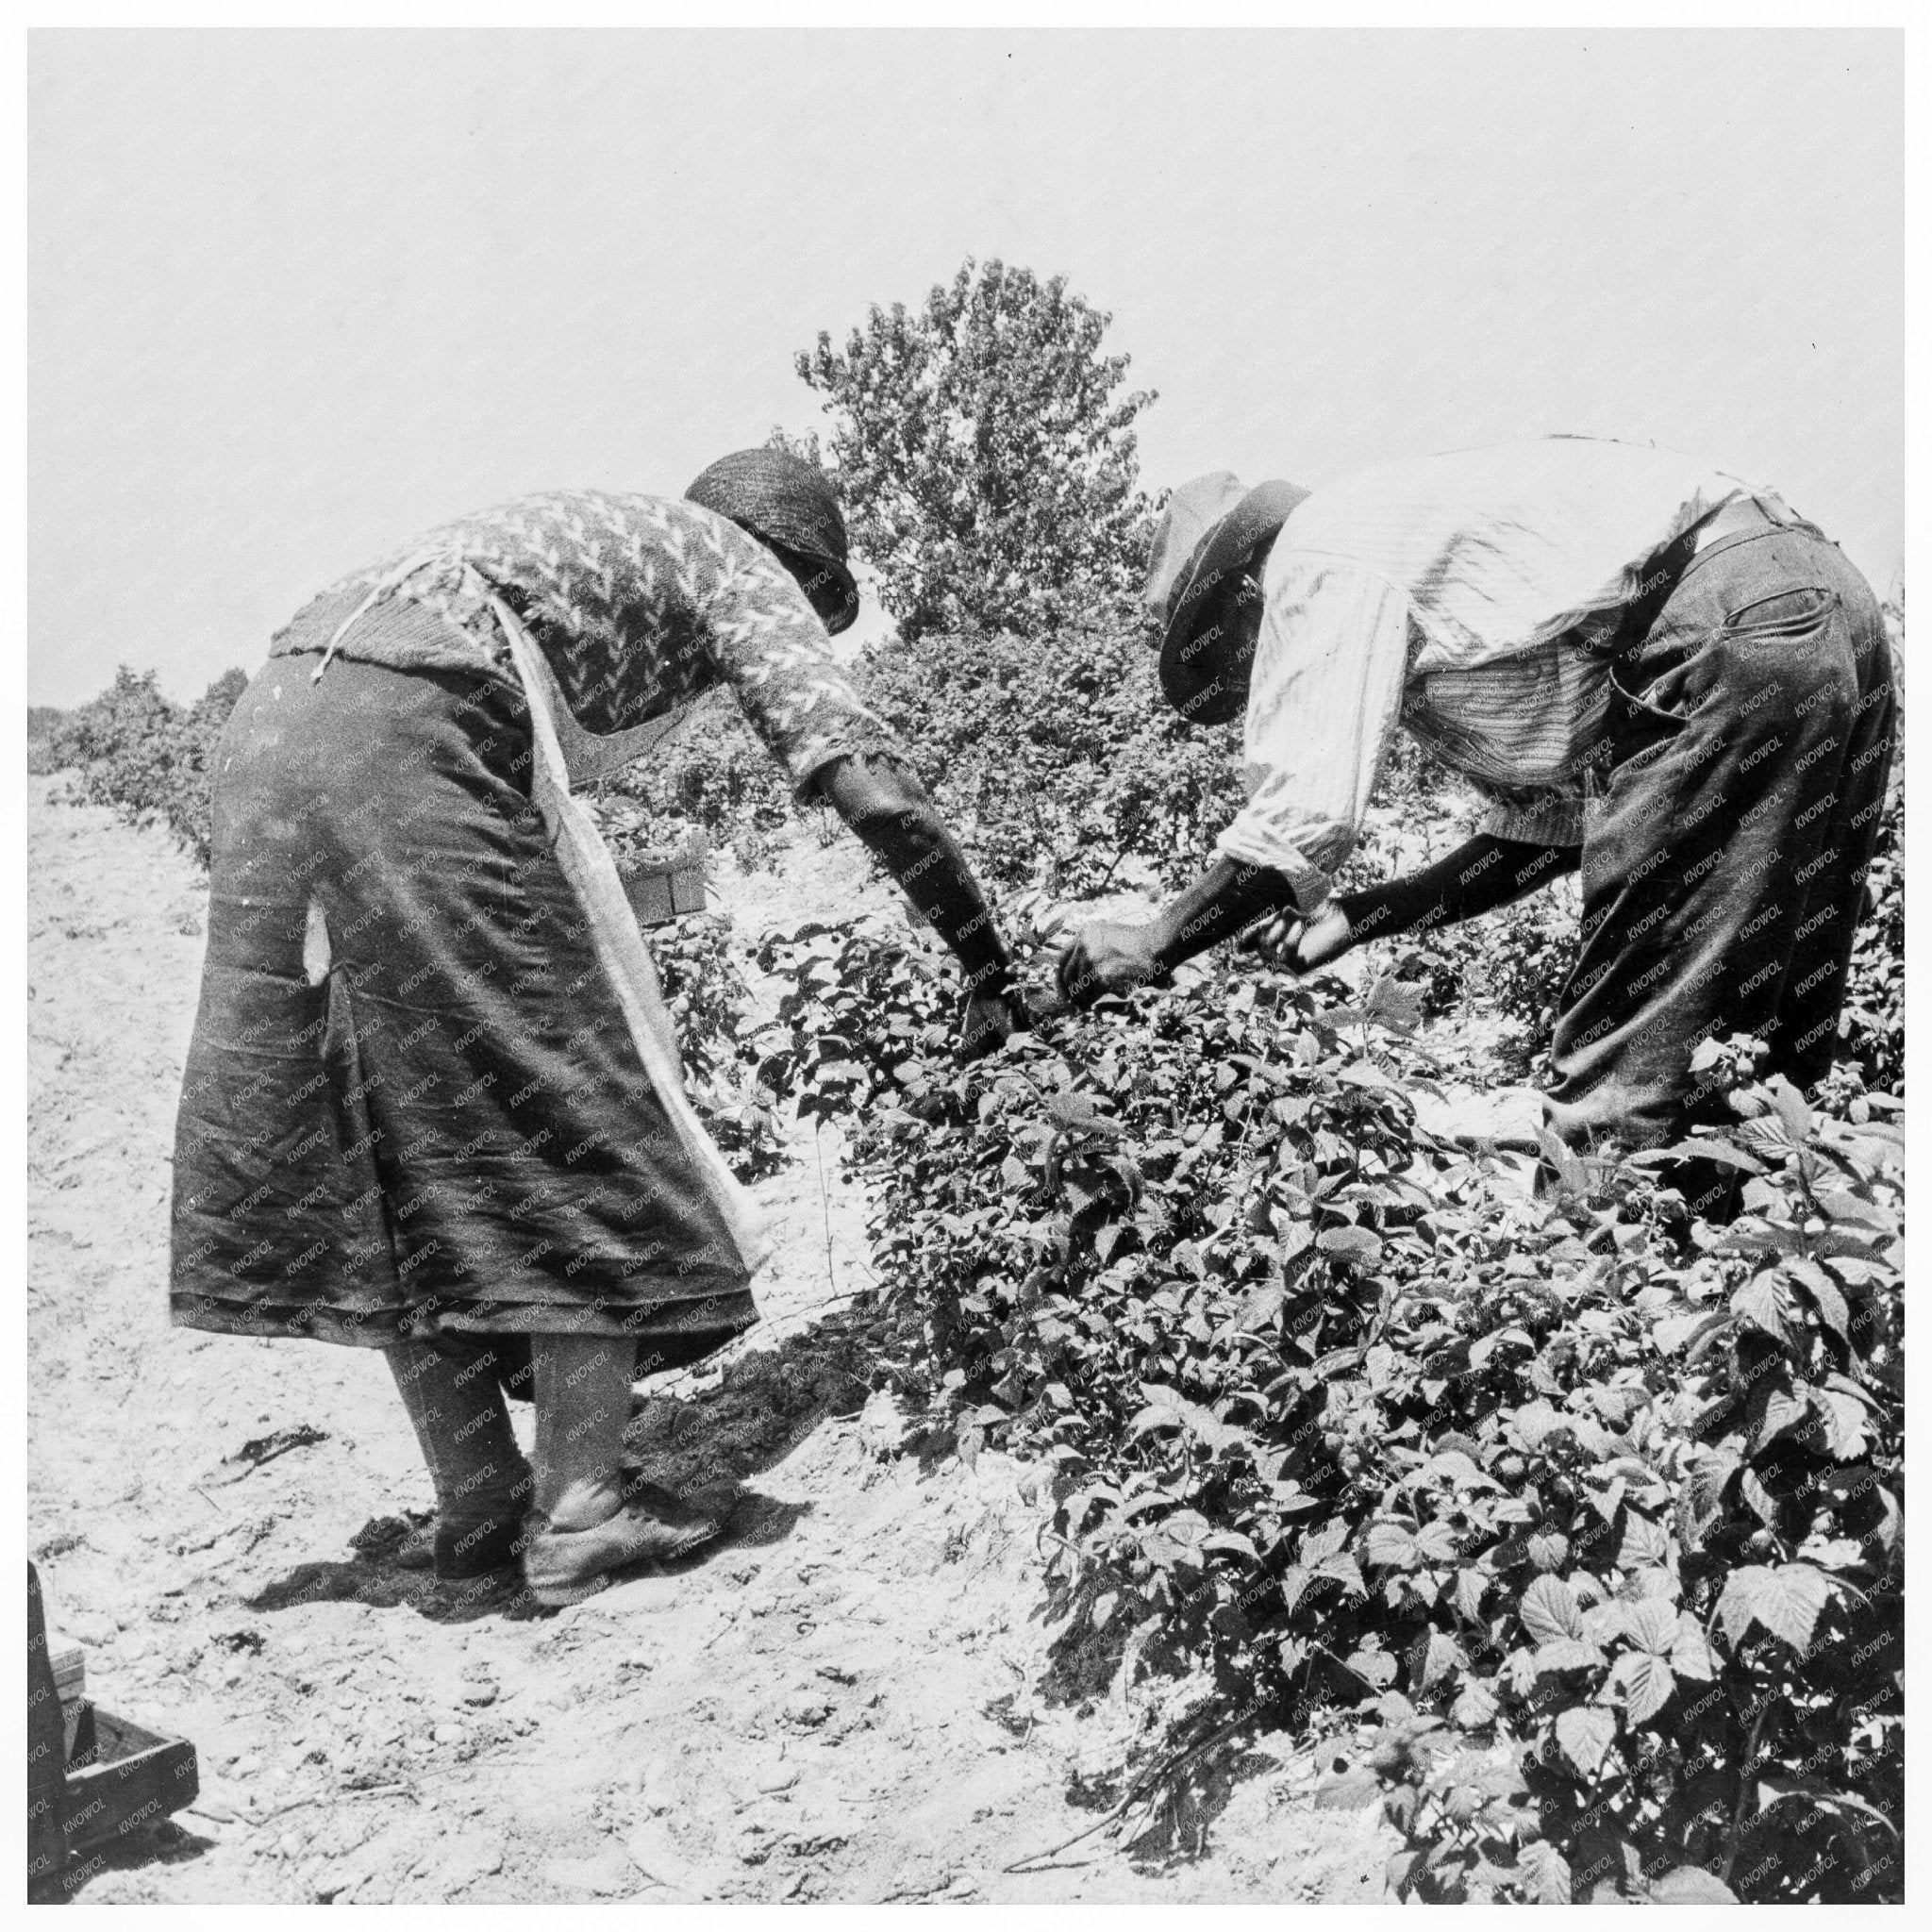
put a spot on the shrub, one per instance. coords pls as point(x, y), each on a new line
point(1872, 1027)
point(1594, 1505)
point(710, 1003)
point(41, 721)
point(1055, 759)
point(137, 751)
point(713, 775)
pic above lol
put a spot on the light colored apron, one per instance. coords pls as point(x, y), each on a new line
point(564, 750)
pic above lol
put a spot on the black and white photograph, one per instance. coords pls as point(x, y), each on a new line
point(965, 961)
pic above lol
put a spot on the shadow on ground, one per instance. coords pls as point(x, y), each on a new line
point(765, 1404)
point(163, 1843)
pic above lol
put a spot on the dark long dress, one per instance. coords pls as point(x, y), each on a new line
point(451, 1132)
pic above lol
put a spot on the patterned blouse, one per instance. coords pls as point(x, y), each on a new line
point(640, 603)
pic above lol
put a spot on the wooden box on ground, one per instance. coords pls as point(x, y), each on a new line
point(663, 886)
point(129, 1778)
point(93, 1777)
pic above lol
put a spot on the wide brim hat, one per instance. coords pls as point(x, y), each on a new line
point(787, 502)
point(1210, 528)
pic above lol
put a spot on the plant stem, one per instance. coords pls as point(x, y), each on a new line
point(1744, 1774)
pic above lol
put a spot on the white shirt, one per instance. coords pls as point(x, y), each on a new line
point(1460, 595)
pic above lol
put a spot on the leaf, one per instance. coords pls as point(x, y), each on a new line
point(1646, 1544)
point(1549, 1610)
point(1760, 1303)
point(1767, 1134)
point(1674, 1332)
point(1481, 1349)
point(1455, 1464)
point(1844, 1206)
point(1440, 1543)
point(1760, 1500)
point(1843, 1422)
point(1783, 1412)
point(1778, 1790)
point(1432, 1655)
point(1374, 1667)
point(1477, 1708)
point(1535, 1422)
point(1691, 1884)
point(1394, 1004)
point(1787, 1598)
point(1702, 1149)
point(1586, 1733)
point(1295, 1582)
point(1169, 1408)
point(1567, 1654)
point(1323, 1539)
point(1072, 1112)
point(1690, 1654)
point(1644, 1682)
point(1546, 1879)
point(1652, 1626)
point(1825, 1292)
point(1791, 1110)
point(1710, 1474)
point(1549, 1549)
point(1261, 1307)
point(1103, 1608)
point(1389, 1543)
point(1470, 1585)
point(1346, 1571)
point(1359, 1246)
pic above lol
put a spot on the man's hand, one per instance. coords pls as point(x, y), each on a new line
point(1109, 957)
point(1301, 944)
point(988, 1022)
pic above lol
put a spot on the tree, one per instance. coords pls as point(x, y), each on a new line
point(985, 455)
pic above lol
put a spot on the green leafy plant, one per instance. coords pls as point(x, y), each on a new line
point(137, 751)
point(1872, 1028)
point(1053, 757)
point(713, 775)
point(1594, 1506)
point(710, 1003)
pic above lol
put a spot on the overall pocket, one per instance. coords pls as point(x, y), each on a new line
point(1782, 614)
point(1641, 714)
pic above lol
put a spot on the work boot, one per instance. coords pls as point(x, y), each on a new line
point(483, 1484)
point(461, 1551)
point(565, 1566)
point(417, 1551)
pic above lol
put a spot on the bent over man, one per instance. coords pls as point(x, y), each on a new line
point(1649, 668)
point(433, 1105)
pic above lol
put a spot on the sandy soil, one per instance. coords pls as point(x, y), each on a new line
point(852, 1698)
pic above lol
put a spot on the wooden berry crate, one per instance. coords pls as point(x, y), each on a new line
point(124, 1778)
point(663, 886)
point(93, 1777)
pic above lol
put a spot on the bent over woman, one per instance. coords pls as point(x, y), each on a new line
point(432, 1105)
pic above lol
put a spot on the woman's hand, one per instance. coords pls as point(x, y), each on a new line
point(1301, 944)
point(1109, 957)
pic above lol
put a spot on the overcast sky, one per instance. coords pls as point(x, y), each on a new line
point(295, 296)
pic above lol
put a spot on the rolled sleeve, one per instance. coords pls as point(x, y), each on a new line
point(1553, 820)
point(1326, 697)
